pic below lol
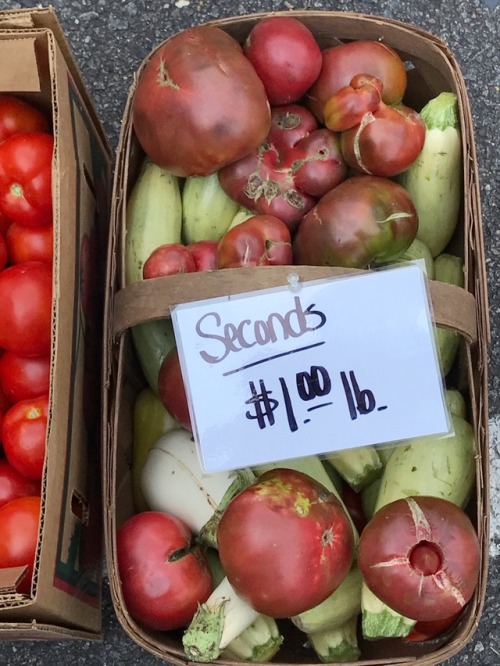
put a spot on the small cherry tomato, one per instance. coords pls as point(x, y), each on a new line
point(19, 528)
point(26, 308)
point(26, 178)
point(14, 485)
point(30, 243)
point(24, 377)
point(262, 240)
point(19, 117)
point(24, 433)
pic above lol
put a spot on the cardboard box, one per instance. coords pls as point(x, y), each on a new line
point(434, 69)
point(65, 600)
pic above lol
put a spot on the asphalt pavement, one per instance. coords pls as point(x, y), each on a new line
point(110, 38)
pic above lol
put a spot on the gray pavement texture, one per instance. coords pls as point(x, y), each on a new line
point(110, 38)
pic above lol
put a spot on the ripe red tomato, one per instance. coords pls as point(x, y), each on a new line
point(286, 57)
point(4, 407)
point(204, 254)
point(3, 252)
point(26, 178)
point(24, 433)
point(262, 240)
point(18, 117)
point(24, 377)
point(164, 574)
point(14, 485)
point(171, 389)
point(285, 543)
point(4, 223)
point(26, 307)
point(19, 527)
point(168, 259)
point(30, 243)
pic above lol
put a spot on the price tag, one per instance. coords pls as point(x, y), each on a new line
point(328, 365)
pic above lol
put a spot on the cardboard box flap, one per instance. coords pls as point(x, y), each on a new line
point(24, 77)
point(10, 579)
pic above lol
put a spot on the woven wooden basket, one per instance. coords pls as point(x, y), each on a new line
point(434, 70)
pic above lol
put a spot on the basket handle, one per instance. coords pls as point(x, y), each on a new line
point(152, 299)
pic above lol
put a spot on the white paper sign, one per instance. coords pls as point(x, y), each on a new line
point(332, 365)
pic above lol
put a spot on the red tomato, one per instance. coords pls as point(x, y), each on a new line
point(286, 57)
point(30, 243)
point(4, 407)
point(26, 178)
point(164, 573)
point(171, 389)
point(385, 145)
point(204, 254)
point(19, 527)
point(421, 557)
point(342, 63)
point(426, 631)
point(14, 485)
point(24, 432)
point(24, 377)
point(262, 240)
point(168, 259)
point(19, 117)
point(3, 252)
point(26, 307)
point(285, 543)
point(4, 223)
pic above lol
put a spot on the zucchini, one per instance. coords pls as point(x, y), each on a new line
point(456, 403)
point(358, 466)
point(154, 217)
point(336, 609)
point(150, 421)
point(418, 250)
point(258, 643)
point(434, 180)
point(207, 211)
point(369, 496)
point(337, 645)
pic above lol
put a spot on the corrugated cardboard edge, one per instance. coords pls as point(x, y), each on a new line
point(475, 284)
point(43, 21)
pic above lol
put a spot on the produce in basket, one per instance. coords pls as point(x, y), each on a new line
point(283, 529)
point(421, 556)
point(184, 110)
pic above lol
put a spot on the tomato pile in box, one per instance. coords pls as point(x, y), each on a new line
point(273, 152)
point(26, 256)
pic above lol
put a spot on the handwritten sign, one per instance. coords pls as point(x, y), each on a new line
point(331, 365)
